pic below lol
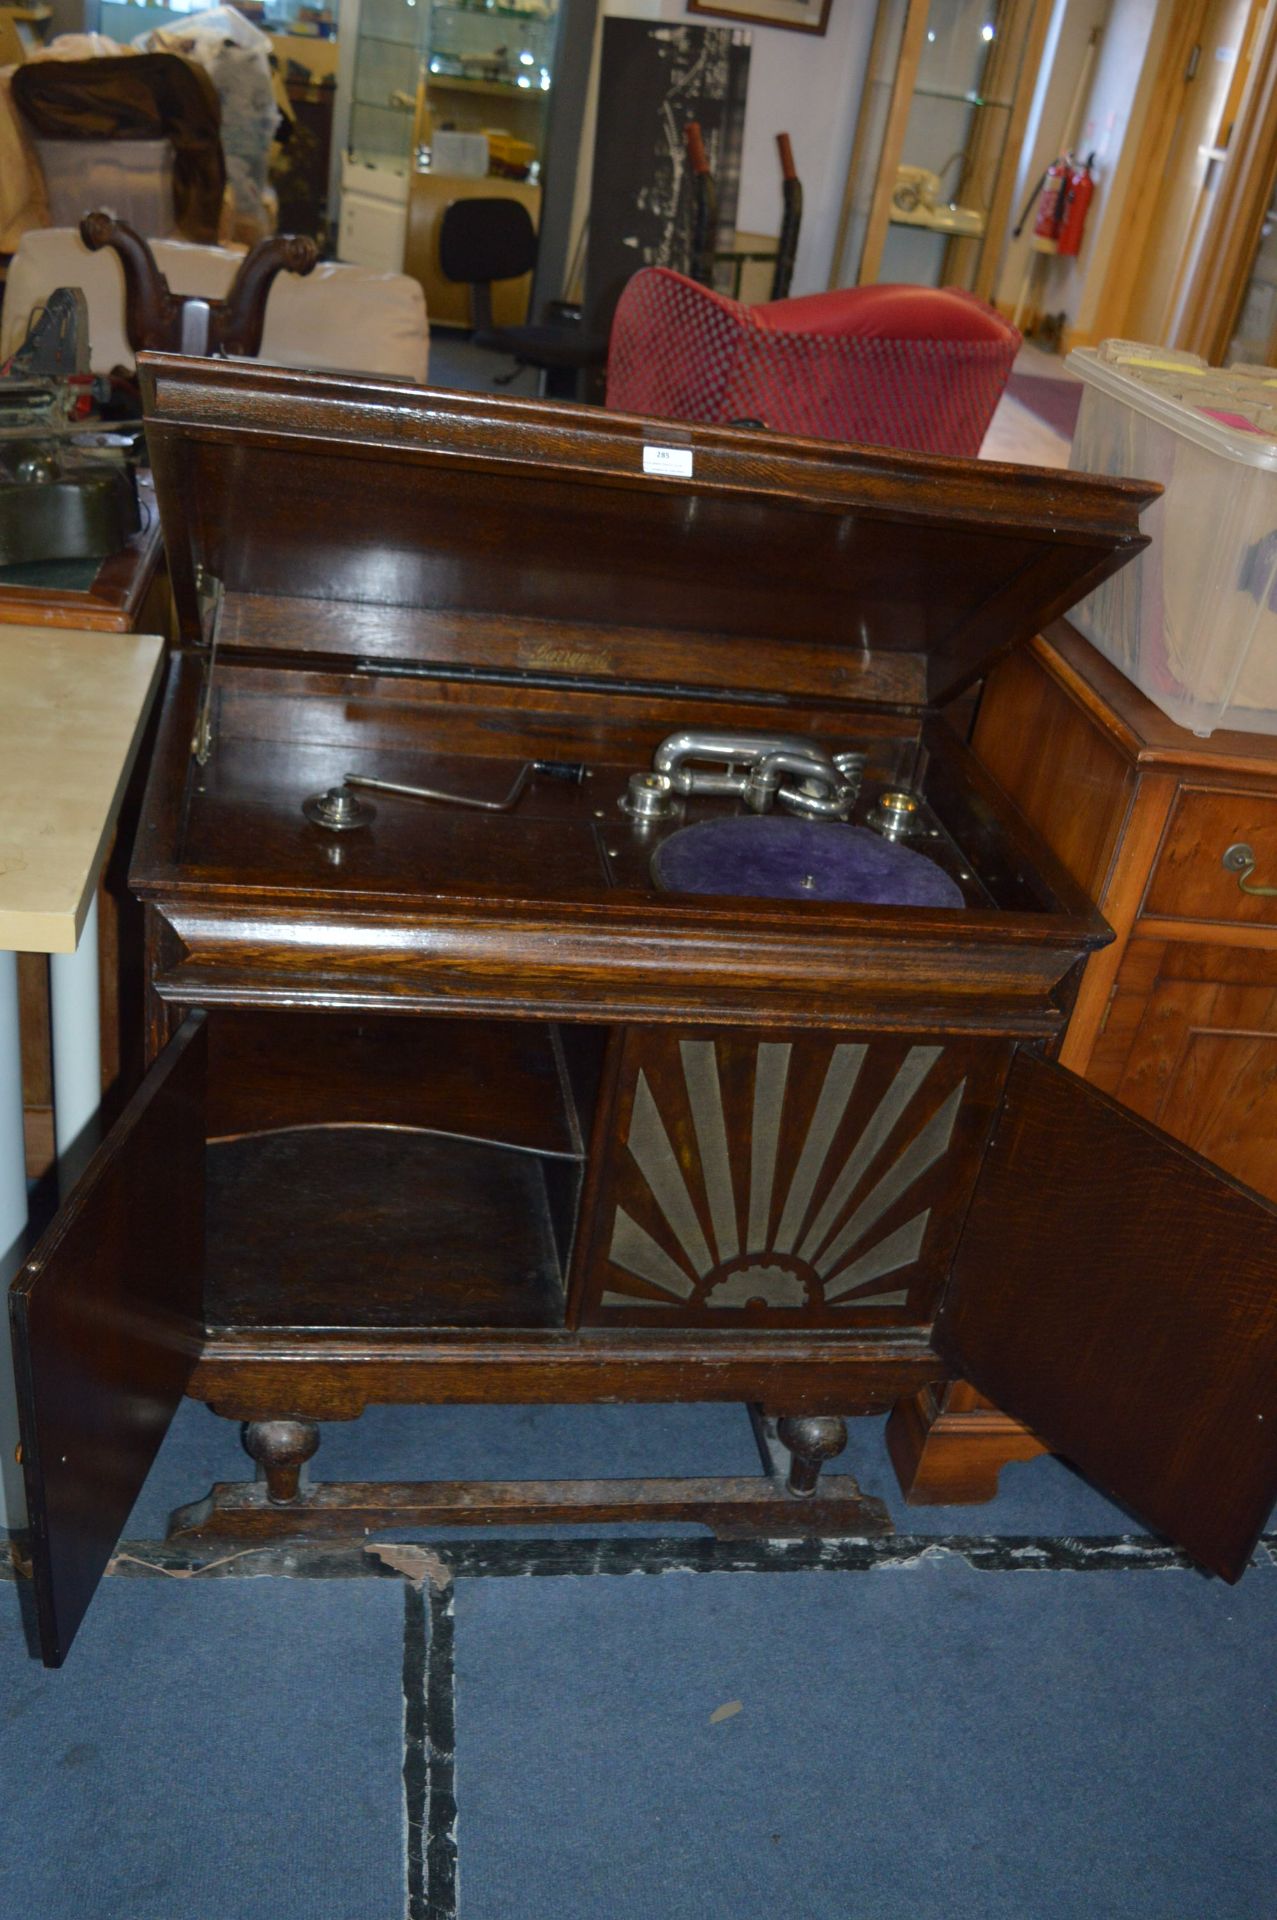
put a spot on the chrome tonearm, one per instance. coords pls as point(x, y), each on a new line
point(762, 769)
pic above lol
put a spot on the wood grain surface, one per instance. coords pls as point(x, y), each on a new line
point(106, 1318)
point(427, 1037)
point(1119, 1296)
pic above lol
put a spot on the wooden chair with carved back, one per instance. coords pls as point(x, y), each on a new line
point(158, 320)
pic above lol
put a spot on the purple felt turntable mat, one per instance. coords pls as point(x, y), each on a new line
point(777, 858)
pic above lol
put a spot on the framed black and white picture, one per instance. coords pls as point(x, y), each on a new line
point(800, 16)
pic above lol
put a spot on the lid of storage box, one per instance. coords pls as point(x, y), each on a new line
point(1227, 412)
point(461, 533)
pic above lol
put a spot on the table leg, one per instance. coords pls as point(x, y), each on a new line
point(13, 1221)
point(77, 1035)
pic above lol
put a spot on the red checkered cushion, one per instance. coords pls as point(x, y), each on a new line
point(920, 368)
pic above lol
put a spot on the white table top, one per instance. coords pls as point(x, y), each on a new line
point(72, 709)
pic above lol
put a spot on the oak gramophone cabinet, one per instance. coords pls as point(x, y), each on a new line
point(584, 964)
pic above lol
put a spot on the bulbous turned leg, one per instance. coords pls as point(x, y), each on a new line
point(281, 1448)
point(812, 1438)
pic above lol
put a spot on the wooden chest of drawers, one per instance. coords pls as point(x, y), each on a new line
point(1178, 1017)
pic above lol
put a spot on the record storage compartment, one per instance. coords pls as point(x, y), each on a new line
point(416, 1173)
point(392, 1172)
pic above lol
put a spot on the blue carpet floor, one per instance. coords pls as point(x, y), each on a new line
point(925, 1740)
point(213, 1750)
point(920, 1737)
point(456, 362)
point(421, 1443)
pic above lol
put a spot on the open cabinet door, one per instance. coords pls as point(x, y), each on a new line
point(1118, 1294)
point(106, 1329)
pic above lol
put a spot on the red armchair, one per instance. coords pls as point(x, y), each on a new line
point(920, 368)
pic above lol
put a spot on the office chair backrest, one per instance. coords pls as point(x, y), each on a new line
point(483, 240)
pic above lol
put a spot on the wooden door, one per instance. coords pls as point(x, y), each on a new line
point(106, 1329)
point(1197, 93)
point(1215, 285)
point(1118, 1295)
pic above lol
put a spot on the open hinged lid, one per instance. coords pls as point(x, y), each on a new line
point(375, 522)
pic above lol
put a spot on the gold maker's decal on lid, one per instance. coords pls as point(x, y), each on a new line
point(544, 654)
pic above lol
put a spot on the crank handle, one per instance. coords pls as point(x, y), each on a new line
point(569, 770)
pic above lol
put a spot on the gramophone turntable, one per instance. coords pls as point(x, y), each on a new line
point(741, 845)
point(501, 1049)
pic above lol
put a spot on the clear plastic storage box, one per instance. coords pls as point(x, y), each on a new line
point(134, 178)
point(1193, 622)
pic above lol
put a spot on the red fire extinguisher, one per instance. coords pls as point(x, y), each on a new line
point(1052, 191)
point(1077, 198)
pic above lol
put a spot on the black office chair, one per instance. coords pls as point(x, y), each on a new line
point(483, 240)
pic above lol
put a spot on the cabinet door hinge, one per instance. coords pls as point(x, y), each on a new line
point(209, 589)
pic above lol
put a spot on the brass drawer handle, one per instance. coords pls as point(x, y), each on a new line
point(1240, 859)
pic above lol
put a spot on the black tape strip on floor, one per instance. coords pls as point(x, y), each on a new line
point(441, 1743)
point(416, 1765)
point(487, 1559)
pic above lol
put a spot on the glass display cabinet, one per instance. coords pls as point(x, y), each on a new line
point(376, 111)
point(488, 71)
point(388, 55)
point(420, 70)
point(511, 47)
point(928, 195)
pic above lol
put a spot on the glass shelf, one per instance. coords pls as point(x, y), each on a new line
point(499, 13)
point(488, 64)
point(389, 40)
point(966, 99)
point(928, 226)
point(475, 83)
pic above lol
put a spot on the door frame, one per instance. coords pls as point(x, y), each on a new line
point(1137, 179)
point(1213, 282)
point(1213, 296)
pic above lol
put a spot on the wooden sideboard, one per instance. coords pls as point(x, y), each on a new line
point(127, 592)
point(1177, 1019)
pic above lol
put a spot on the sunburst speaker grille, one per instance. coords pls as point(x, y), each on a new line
point(800, 1179)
